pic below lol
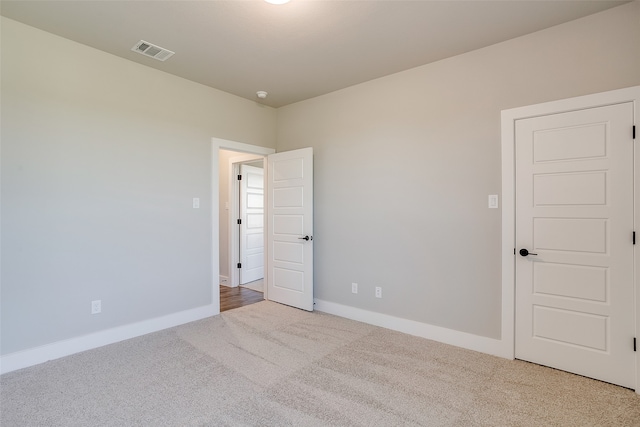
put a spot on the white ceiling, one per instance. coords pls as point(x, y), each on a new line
point(298, 50)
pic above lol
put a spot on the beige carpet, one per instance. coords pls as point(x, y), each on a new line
point(271, 365)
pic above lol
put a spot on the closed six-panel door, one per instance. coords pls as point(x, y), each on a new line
point(574, 215)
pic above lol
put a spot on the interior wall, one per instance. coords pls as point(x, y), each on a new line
point(404, 165)
point(101, 158)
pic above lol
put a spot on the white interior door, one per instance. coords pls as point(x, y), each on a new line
point(290, 228)
point(574, 214)
point(251, 224)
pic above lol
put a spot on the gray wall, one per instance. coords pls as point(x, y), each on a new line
point(404, 165)
point(101, 158)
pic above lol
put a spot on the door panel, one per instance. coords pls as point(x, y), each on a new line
point(288, 224)
point(290, 219)
point(252, 224)
point(570, 281)
point(570, 327)
point(574, 213)
point(570, 189)
point(570, 143)
point(288, 252)
point(288, 197)
point(570, 234)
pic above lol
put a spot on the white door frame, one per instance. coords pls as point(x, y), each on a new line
point(234, 214)
point(216, 145)
point(509, 117)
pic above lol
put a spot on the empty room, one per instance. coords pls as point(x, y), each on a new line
point(433, 205)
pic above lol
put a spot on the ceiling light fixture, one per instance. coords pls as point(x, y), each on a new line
point(277, 1)
point(261, 94)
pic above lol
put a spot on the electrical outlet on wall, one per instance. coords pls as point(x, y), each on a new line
point(96, 306)
point(354, 288)
point(378, 292)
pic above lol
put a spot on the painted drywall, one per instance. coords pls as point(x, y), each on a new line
point(101, 158)
point(404, 166)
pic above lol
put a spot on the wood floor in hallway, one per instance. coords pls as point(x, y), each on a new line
point(231, 298)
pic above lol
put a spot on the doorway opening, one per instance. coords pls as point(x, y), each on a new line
point(221, 151)
point(241, 214)
point(288, 224)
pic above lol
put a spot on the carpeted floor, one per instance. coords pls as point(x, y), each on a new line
point(271, 365)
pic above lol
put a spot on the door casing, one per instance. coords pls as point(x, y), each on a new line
point(216, 145)
point(509, 118)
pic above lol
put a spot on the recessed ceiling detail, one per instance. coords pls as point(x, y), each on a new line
point(152, 51)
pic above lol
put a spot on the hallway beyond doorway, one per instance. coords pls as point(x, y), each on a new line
point(240, 296)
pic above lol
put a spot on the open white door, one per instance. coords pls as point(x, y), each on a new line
point(290, 228)
point(251, 224)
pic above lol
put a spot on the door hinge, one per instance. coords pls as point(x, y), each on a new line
point(634, 344)
point(240, 222)
point(634, 131)
point(634, 237)
point(239, 265)
point(514, 251)
point(239, 177)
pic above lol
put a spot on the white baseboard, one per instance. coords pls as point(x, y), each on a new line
point(224, 280)
point(26, 358)
point(436, 333)
point(22, 359)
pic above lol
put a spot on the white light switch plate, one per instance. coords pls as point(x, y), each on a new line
point(493, 201)
point(196, 203)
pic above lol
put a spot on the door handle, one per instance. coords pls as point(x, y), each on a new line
point(525, 252)
point(307, 238)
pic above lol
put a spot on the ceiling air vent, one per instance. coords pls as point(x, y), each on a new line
point(151, 50)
